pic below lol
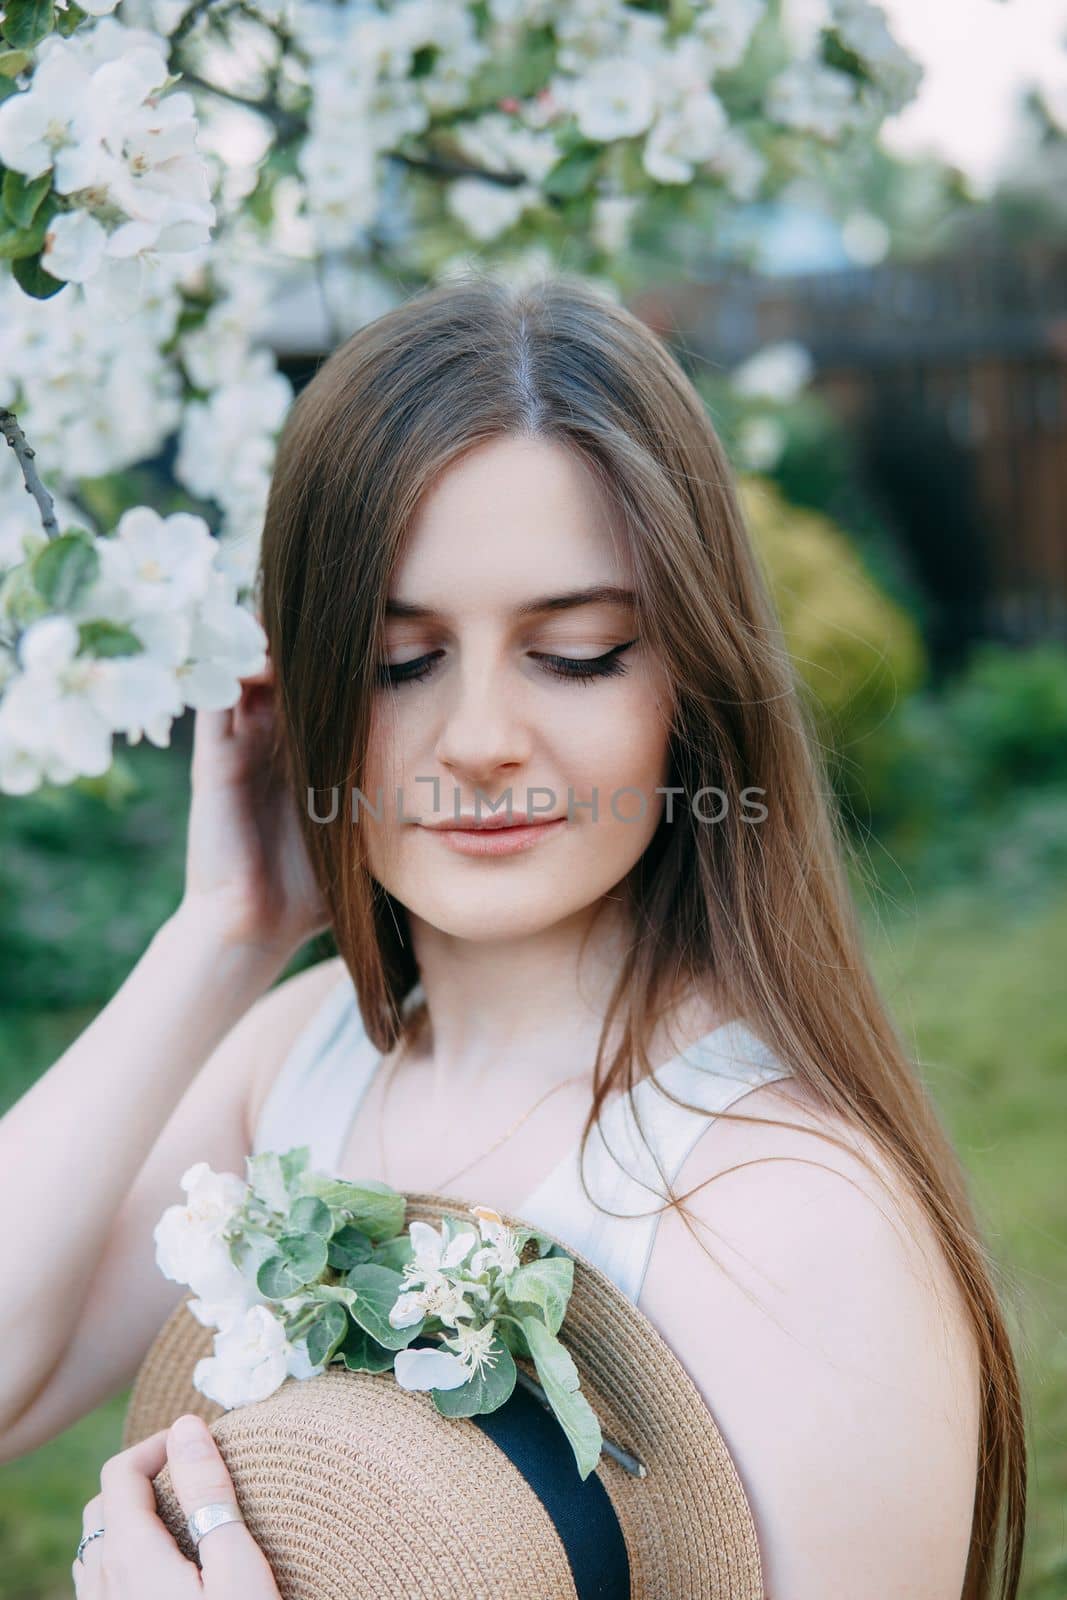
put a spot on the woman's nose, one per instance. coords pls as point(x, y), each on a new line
point(483, 724)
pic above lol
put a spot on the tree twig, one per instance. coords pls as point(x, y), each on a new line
point(284, 122)
point(635, 1468)
point(25, 453)
point(445, 167)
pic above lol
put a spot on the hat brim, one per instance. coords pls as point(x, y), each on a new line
point(326, 1467)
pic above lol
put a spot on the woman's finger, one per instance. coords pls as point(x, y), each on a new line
point(137, 1541)
point(85, 1570)
point(93, 1514)
point(229, 1556)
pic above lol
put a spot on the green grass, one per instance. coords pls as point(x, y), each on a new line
point(974, 988)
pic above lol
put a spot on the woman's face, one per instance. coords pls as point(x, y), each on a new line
point(476, 716)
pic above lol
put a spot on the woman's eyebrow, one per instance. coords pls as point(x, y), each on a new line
point(596, 594)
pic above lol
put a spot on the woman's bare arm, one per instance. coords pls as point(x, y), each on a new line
point(834, 1351)
point(164, 1069)
point(92, 1153)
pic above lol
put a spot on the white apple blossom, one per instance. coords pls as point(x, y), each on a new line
point(439, 1296)
point(213, 1202)
point(725, 29)
point(684, 138)
point(429, 1369)
point(499, 1251)
point(813, 98)
point(487, 209)
point(473, 1347)
point(433, 1251)
point(615, 99)
point(863, 28)
point(121, 147)
point(60, 711)
point(74, 246)
point(252, 1358)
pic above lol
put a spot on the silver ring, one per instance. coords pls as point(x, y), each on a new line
point(85, 1539)
point(213, 1516)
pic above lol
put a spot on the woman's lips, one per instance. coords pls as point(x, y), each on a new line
point(497, 841)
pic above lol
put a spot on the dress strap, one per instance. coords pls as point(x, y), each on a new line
point(621, 1171)
point(319, 1085)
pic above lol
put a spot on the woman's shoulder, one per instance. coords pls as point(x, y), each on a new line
point(284, 1012)
point(833, 1346)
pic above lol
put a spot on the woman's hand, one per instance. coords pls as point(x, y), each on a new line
point(246, 867)
point(137, 1556)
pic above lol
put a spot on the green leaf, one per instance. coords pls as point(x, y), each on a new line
point(327, 1333)
point(21, 195)
point(484, 1392)
point(361, 1353)
point(12, 62)
point(395, 1253)
point(349, 1248)
point(559, 1379)
point(294, 1163)
point(514, 1338)
point(574, 174)
point(31, 277)
point(64, 569)
point(266, 1175)
point(377, 1289)
point(28, 22)
point(547, 1284)
point(277, 1279)
point(305, 1253)
point(374, 1208)
point(309, 1215)
point(67, 21)
point(16, 243)
point(108, 639)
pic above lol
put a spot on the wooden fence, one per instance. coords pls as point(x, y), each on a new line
point(952, 374)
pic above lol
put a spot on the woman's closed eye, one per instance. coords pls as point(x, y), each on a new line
point(573, 669)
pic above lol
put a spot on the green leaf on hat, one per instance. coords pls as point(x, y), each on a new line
point(310, 1215)
point(395, 1253)
point(483, 1392)
point(327, 1333)
point(373, 1207)
point(377, 1289)
point(349, 1248)
point(546, 1284)
point(305, 1253)
point(361, 1353)
point(559, 1379)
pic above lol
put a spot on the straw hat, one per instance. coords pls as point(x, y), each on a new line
point(357, 1489)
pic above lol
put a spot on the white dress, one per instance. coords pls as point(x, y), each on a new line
point(318, 1090)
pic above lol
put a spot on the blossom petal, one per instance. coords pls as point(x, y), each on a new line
point(429, 1369)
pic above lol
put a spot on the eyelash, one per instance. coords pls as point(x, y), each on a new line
point(576, 670)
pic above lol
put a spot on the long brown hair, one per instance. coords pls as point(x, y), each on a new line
point(765, 912)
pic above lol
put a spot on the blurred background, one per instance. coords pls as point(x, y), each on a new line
point(884, 352)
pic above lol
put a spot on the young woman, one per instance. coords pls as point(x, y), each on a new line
point(503, 567)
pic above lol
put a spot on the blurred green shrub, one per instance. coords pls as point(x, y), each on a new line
point(972, 778)
point(88, 872)
point(856, 651)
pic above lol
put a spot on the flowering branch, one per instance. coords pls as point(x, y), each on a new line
point(382, 146)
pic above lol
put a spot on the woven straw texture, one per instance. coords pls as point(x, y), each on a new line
point(355, 1487)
